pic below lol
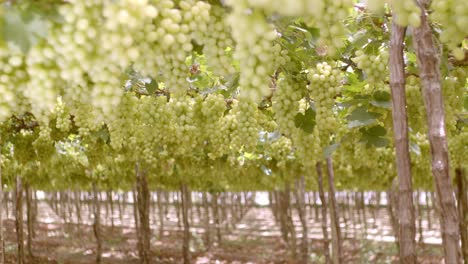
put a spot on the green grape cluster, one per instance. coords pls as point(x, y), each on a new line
point(285, 104)
point(185, 127)
point(329, 16)
point(415, 104)
point(325, 84)
point(376, 6)
point(146, 130)
point(44, 80)
point(288, 8)
point(267, 121)
point(245, 134)
point(280, 150)
point(375, 67)
point(121, 126)
point(84, 116)
point(307, 147)
point(13, 81)
point(43, 144)
point(454, 87)
point(407, 13)
point(225, 136)
point(172, 34)
point(75, 41)
point(217, 44)
point(453, 16)
point(458, 148)
point(254, 49)
point(124, 27)
point(420, 160)
point(208, 113)
point(62, 115)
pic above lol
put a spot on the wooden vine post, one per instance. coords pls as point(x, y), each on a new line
point(2, 241)
point(427, 54)
point(337, 242)
point(323, 201)
point(406, 226)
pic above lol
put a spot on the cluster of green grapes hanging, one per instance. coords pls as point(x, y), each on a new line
point(325, 84)
point(254, 49)
point(453, 17)
point(218, 43)
point(13, 81)
point(286, 104)
point(415, 104)
point(374, 66)
point(406, 13)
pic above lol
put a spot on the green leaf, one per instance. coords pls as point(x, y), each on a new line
point(382, 99)
point(305, 121)
point(377, 131)
point(24, 28)
point(466, 102)
point(151, 86)
point(361, 117)
point(372, 48)
point(328, 151)
point(382, 104)
point(374, 136)
point(14, 30)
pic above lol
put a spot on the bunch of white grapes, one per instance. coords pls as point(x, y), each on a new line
point(454, 87)
point(406, 12)
point(62, 115)
point(13, 81)
point(286, 104)
point(254, 50)
point(453, 16)
point(121, 126)
point(329, 16)
point(325, 85)
point(246, 132)
point(374, 66)
point(217, 43)
point(415, 105)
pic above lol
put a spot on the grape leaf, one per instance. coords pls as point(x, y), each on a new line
point(22, 28)
point(330, 149)
point(374, 136)
point(361, 117)
point(305, 121)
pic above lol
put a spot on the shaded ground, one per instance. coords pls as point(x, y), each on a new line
point(255, 239)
